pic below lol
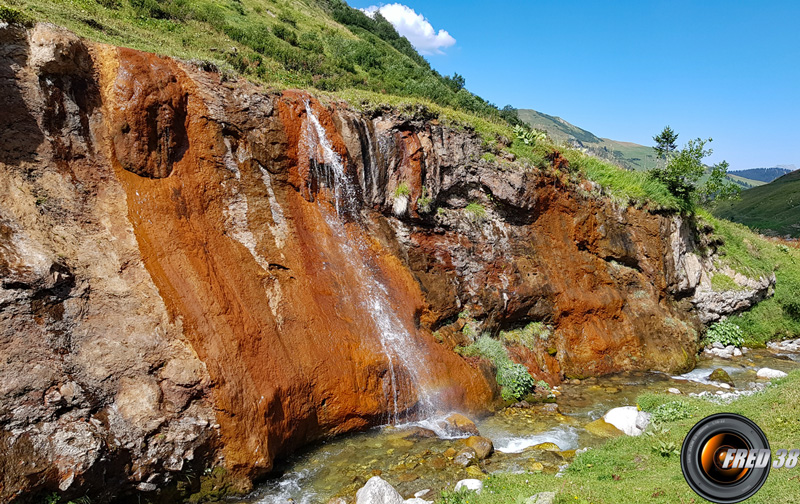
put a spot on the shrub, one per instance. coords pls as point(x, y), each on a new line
point(515, 381)
point(13, 16)
point(726, 333)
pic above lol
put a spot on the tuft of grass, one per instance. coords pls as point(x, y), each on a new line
point(721, 282)
point(475, 211)
point(527, 336)
point(402, 191)
point(630, 187)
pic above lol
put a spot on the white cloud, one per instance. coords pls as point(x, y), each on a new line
point(414, 27)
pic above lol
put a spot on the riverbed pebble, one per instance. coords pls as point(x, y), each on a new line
point(673, 390)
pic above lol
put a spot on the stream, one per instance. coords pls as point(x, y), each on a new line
point(412, 463)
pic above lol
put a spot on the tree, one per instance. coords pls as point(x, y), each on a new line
point(665, 143)
point(684, 172)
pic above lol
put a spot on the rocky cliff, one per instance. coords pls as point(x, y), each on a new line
point(198, 273)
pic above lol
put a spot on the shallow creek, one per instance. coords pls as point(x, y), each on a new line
point(412, 463)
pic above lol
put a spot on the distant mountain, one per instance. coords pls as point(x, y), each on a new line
point(772, 209)
point(765, 175)
point(628, 155)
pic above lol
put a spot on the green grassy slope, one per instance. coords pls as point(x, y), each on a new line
point(625, 154)
point(313, 44)
point(773, 208)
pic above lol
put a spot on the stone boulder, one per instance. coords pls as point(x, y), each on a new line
point(720, 375)
point(474, 485)
point(458, 425)
point(378, 491)
point(628, 419)
point(483, 446)
point(769, 374)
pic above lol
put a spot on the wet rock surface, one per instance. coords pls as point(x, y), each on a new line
point(171, 287)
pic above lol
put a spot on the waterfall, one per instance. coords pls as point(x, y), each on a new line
point(408, 361)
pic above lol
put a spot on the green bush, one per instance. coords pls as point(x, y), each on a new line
point(726, 333)
point(13, 16)
point(515, 381)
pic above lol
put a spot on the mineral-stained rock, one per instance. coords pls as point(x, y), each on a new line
point(483, 446)
point(720, 375)
point(174, 294)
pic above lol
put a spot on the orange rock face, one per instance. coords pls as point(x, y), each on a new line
point(222, 252)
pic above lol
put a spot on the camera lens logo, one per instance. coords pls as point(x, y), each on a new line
point(725, 458)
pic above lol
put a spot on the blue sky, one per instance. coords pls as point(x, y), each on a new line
point(729, 70)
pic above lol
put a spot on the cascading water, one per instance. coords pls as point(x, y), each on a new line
point(408, 365)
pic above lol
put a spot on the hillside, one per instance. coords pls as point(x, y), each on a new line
point(628, 155)
point(765, 175)
point(772, 208)
point(311, 44)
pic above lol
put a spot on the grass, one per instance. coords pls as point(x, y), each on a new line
point(476, 211)
point(645, 470)
point(773, 208)
point(629, 187)
point(755, 256)
point(313, 44)
point(527, 336)
point(721, 282)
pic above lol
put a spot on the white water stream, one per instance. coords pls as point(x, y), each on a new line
point(408, 361)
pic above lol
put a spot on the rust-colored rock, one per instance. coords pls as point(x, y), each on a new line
point(187, 281)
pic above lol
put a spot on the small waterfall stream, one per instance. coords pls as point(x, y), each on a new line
point(408, 362)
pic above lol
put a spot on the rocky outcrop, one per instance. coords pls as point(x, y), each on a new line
point(183, 286)
point(694, 272)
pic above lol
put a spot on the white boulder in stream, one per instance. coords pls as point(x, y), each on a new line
point(378, 491)
point(475, 485)
point(769, 373)
point(628, 419)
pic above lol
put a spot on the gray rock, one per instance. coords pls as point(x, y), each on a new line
point(541, 498)
point(769, 373)
point(465, 457)
point(475, 485)
point(628, 419)
point(378, 491)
